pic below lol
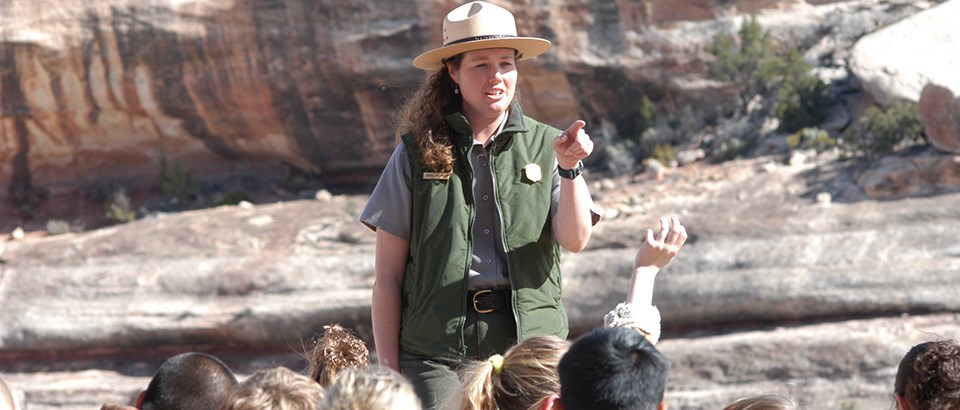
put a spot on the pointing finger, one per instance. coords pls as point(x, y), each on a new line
point(575, 128)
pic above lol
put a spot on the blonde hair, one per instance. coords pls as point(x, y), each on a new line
point(336, 350)
point(372, 388)
point(526, 376)
point(768, 401)
point(278, 388)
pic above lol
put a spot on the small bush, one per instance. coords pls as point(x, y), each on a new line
point(802, 104)
point(651, 139)
point(811, 138)
point(644, 119)
point(730, 139)
point(747, 61)
point(176, 184)
point(728, 149)
point(665, 154)
point(646, 115)
point(621, 157)
point(880, 132)
point(118, 207)
point(57, 227)
point(803, 99)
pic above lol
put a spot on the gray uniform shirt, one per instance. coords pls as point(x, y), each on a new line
point(391, 205)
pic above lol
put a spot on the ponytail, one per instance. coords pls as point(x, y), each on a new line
point(477, 387)
point(523, 377)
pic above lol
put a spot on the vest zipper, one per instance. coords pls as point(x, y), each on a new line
point(503, 242)
point(467, 152)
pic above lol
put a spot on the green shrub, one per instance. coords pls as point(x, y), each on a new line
point(646, 114)
point(802, 104)
point(803, 99)
point(176, 184)
point(811, 138)
point(748, 61)
point(727, 149)
point(664, 153)
point(58, 227)
point(118, 207)
point(644, 119)
point(880, 132)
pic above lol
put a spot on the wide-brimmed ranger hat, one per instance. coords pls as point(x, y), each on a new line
point(479, 25)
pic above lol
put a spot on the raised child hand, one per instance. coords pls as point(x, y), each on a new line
point(658, 250)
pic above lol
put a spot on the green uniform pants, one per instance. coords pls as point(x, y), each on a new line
point(436, 379)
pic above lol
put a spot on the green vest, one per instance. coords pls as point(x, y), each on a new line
point(435, 279)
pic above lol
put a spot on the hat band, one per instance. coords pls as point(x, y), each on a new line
point(478, 38)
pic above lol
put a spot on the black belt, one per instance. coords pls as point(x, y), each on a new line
point(487, 300)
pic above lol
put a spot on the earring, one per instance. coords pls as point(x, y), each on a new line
point(456, 89)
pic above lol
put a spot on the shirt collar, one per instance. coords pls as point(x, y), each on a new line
point(514, 123)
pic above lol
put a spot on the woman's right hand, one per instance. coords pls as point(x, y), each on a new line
point(572, 145)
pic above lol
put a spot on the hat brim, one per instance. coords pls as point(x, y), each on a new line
point(528, 47)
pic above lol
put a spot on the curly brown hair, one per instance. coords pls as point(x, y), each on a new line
point(423, 117)
point(929, 376)
point(336, 350)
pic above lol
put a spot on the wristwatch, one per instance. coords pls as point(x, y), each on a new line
point(570, 173)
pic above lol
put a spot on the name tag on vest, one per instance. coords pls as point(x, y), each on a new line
point(436, 175)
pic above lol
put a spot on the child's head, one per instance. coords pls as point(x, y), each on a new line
point(524, 376)
point(612, 368)
point(929, 377)
point(370, 388)
point(336, 350)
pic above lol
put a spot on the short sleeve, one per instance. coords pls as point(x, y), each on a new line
point(390, 206)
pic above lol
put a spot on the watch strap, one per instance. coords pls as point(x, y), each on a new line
point(570, 173)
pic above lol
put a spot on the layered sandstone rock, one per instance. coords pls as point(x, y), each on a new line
point(897, 176)
point(775, 291)
point(108, 90)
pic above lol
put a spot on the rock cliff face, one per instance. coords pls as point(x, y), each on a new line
point(110, 89)
point(774, 291)
point(93, 88)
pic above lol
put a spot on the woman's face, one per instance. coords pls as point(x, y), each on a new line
point(487, 80)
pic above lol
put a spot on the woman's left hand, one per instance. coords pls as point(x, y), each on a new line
point(572, 145)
